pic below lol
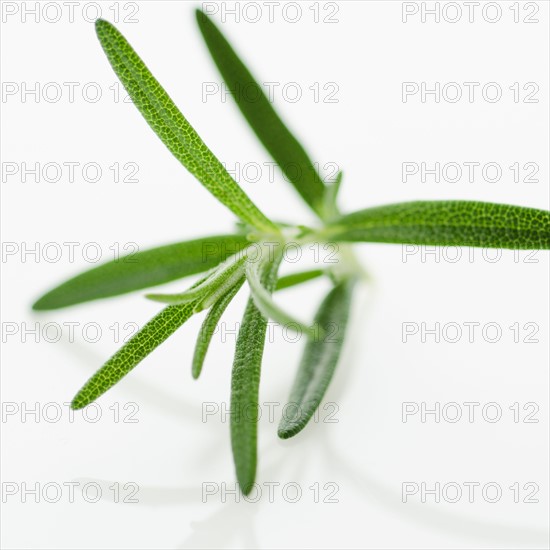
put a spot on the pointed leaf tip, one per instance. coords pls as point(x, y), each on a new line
point(318, 362)
point(209, 326)
point(174, 130)
point(154, 333)
point(263, 119)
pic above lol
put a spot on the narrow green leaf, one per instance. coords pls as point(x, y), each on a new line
point(156, 331)
point(142, 270)
point(245, 381)
point(318, 362)
point(209, 326)
point(174, 130)
point(265, 303)
point(298, 278)
point(447, 223)
point(216, 284)
point(261, 116)
point(330, 206)
point(211, 321)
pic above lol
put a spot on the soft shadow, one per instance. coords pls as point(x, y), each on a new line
point(234, 523)
point(139, 391)
point(509, 536)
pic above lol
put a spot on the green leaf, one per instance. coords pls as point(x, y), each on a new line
point(330, 206)
point(258, 111)
point(318, 362)
point(245, 381)
point(174, 130)
point(209, 326)
point(142, 270)
point(265, 303)
point(298, 278)
point(156, 331)
point(447, 223)
point(211, 321)
point(215, 285)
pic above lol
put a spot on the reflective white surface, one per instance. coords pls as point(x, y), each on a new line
point(173, 453)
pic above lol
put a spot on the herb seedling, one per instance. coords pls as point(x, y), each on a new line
point(254, 252)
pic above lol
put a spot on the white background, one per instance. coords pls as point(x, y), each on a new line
point(370, 452)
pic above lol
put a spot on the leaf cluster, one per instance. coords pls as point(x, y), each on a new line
point(253, 253)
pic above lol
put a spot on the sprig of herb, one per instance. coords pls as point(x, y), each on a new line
point(226, 261)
